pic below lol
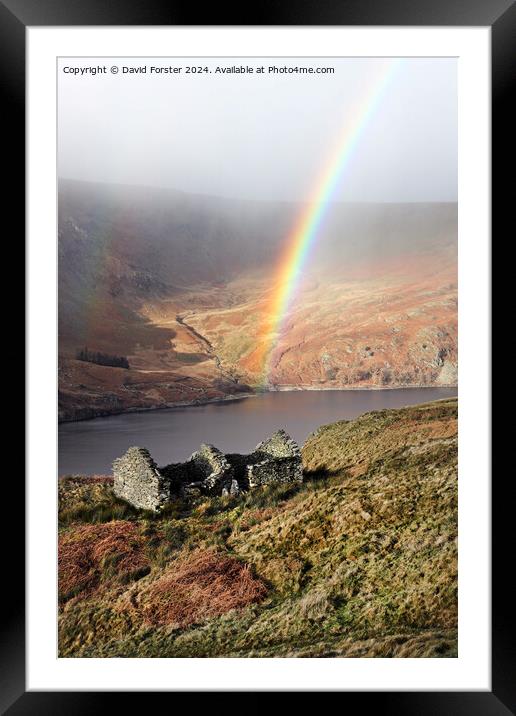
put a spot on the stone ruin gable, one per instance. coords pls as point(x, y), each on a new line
point(279, 445)
point(206, 472)
point(138, 480)
point(277, 459)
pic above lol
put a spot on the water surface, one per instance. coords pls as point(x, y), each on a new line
point(90, 446)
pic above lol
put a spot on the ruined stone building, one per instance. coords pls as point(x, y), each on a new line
point(139, 481)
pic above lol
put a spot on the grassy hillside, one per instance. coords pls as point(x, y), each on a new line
point(360, 560)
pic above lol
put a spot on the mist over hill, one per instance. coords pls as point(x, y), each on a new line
point(178, 284)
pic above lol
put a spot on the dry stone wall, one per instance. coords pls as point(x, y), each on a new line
point(277, 459)
point(279, 445)
point(139, 481)
point(214, 470)
point(239, 464)
point(271, 471)
point(206, 472)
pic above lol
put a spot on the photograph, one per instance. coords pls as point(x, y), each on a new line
point(257, 357)
point(259, 445)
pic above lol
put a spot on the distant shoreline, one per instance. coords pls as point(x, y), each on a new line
point(287, 389)
point(243, 396)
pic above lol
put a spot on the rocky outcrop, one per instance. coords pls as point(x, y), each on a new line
point(448, 374)
point(208, 471)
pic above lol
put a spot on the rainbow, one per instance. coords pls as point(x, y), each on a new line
point(305, 232)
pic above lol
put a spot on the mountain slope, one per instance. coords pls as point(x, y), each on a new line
point(361, 560)
point(181, 285)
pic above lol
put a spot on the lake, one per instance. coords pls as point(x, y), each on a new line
point(172, 435)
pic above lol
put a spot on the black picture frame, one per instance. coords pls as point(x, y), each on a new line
point(500, 15)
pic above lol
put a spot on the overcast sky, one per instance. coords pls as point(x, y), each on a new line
point(261, 136)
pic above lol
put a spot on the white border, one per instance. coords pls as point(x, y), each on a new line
point(471, 670)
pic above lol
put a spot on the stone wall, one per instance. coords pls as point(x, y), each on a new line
point(277, 459)
point(137, 480)
point(213, 469)
point(177, 474)
point(282, 469)
point(279, 445)
point(207, 472)
point(240, 463)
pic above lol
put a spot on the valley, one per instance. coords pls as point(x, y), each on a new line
point(181, 285)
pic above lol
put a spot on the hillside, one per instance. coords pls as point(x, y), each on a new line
point(180, 285)
point(359, 560)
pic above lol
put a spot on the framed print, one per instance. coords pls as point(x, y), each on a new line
point(258, 301)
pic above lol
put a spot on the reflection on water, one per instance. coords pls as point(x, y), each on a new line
point(90, 446)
